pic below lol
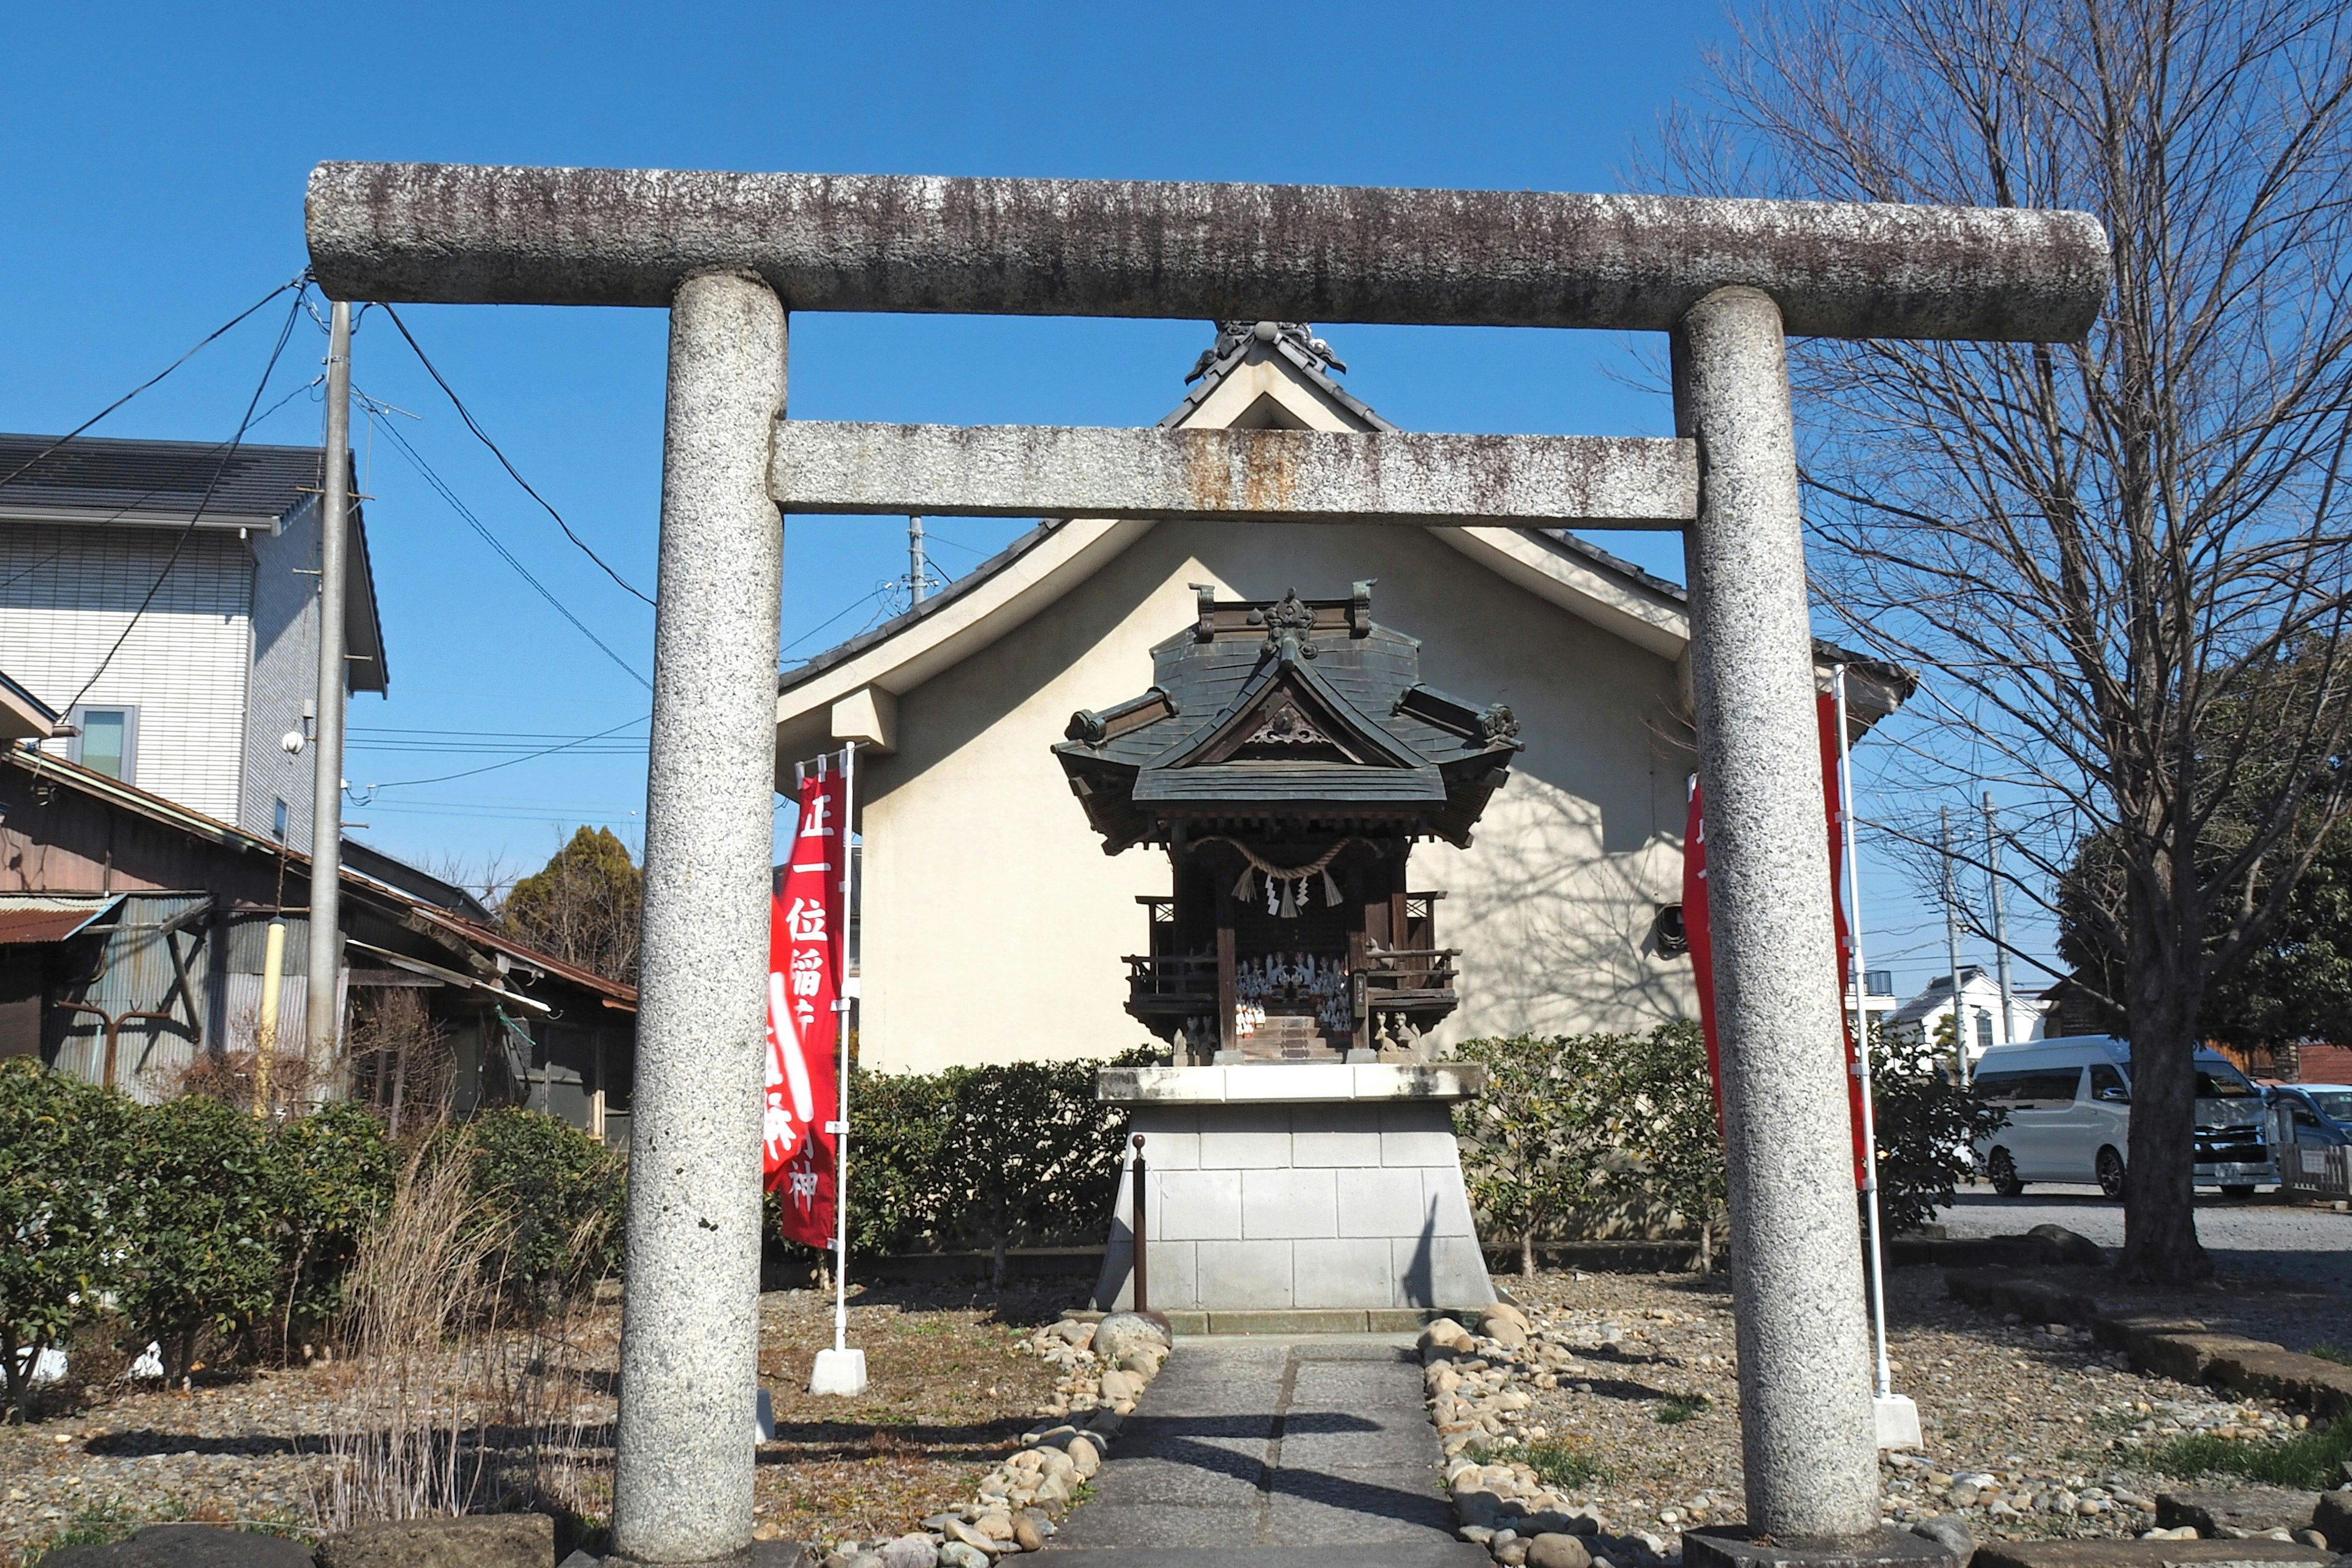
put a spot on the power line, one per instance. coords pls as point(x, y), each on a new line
point(483, 435)
point(136, 501)
point(299, 281)
point(441, 487)
point(853, 604)
point(493, 767)
point(212, 484)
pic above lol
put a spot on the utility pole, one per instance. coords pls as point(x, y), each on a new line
point(918, 564)
point(1952, 954)
point(325, 952)
point(1999, 923)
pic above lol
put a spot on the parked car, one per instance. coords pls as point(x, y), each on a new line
point(2069, 1104)
point(2310, 1115)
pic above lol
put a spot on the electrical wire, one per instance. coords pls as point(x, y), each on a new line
point(136, 501)
point(483, 435)
point(302, 280)
point(846, 610)
point(367, 796)
point(441, 487)
point(480, 742)
point(219, 469)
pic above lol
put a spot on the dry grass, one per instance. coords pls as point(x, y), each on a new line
point(452, 1401)
point(405, 1399)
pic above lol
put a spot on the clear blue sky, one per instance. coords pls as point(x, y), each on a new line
point(152, 165)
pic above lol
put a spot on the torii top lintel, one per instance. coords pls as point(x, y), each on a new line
point(461, 234)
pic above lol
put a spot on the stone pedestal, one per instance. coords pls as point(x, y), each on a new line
point(1296, 1186)
point(1737, 1547)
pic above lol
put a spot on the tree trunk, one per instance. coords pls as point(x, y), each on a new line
point(2161, 1245)
point(1527, 1255)
point(19, 1380)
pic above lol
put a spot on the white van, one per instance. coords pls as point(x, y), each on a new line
point(2069, 1104)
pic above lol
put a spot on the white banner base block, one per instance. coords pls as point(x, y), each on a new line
point(1898, 1421)
point(763, 1418)
point(844, 1372)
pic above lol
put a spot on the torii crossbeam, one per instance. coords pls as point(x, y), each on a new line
point(729, 254)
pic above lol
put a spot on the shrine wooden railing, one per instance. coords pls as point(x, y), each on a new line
point(1187, 977)
point(1399, 978)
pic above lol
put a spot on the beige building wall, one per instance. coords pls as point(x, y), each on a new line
point(994, 925)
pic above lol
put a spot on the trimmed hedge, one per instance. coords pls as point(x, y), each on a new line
point(1019, 1154)
point(193, 1217)
point(1587, 1136)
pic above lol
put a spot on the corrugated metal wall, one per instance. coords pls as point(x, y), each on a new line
point(155, 986)
point(171, 996)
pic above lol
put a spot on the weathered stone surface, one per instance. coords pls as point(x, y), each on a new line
point(2189, 1357)
point(2072, 1247)
point(1412, 477)
point(1951, 1534)
point(1808, 1427)
point(2140, 1553)
point(2255, 1508)
point(1876, 1548)
point(188, 1546)
point(2321, 1387)
point(689, 1335)
point(1558, 1551)
point(2332, 1519)
point(478, 1540)
point(910, 1552)
point(458, 234)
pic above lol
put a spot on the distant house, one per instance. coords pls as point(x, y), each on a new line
point(189, 697)
point(131, 939)
point(1980, 1003)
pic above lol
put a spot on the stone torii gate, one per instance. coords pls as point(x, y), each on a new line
point(729, 254)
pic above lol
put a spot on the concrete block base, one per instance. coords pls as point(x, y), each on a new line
point(1898, 1421)
point(759, 1554)
point(1733, 1546)
point(1311, 1320)
point(838, 1372)
point(1344, 1197)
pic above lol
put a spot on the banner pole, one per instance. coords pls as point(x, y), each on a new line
point(841, 1030)
point(1862, 1037)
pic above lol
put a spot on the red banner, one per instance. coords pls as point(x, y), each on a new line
point(1702, 948)
point(805, 933)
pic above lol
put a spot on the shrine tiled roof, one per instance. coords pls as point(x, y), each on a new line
point(1295, 707)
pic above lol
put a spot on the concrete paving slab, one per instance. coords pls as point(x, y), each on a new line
point(1253, 1450)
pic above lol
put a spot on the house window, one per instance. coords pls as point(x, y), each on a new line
point(278, 821)
point(109, 742)
point(1984, 1031)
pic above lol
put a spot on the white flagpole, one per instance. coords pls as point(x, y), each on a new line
point(1861, 1067)
point(841, 1033)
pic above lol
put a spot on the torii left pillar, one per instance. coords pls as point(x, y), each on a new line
point(690, 1331)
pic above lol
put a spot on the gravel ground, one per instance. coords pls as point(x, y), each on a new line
point(2028, 1433)
point(952, 1391)
point(2297, 1242)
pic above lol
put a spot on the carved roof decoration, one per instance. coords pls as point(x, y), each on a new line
point(1298, 709)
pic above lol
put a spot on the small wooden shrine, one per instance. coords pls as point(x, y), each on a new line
point(1288, 756)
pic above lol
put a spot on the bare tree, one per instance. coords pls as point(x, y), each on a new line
point(2121, 564)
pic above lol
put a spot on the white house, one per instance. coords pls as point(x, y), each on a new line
point(994, 925)
point(1980, 1011)
point(162, 597)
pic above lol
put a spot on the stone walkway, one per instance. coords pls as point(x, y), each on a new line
point(1270, 1452)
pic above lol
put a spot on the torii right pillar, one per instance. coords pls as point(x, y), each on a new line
point(1807, 1430)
